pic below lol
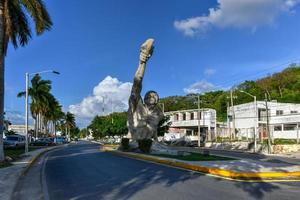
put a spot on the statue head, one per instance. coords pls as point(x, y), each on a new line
point(151, 98)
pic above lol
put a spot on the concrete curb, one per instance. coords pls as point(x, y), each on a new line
point(214, 171)
point(35, 158)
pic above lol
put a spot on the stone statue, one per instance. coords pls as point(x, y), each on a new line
point(143, 117)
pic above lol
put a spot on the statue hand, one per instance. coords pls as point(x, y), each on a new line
point(146, 50)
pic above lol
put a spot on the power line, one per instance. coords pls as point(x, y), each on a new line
point(226, 83)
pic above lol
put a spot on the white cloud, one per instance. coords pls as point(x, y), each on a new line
point(236, 13)
point(209, 72)
point(17, 117)
point(109, 92)
point(200, 87)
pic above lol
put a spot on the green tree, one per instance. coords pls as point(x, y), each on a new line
point(163, 126)
point(15, 28)
point(41, 100)
point(69, 123)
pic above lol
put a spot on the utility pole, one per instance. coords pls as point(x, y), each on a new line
point(268, 130)
point(256, 122)
point(103, 105)
point(199, 127)
point(297, 133)
point(26, 113)
point(112, 111)
point(228, 122)
point(233, 114)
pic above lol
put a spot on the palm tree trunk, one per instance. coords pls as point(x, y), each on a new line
point(38, 123)
point(35, 127)
point(54, 127)
point(69, 134)
point(2, 54)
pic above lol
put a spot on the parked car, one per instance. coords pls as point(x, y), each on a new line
point(43, 142)
point(192, 143)
point(60, 140)
point(14, 141)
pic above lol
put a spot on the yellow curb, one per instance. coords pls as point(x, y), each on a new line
point(214, 171)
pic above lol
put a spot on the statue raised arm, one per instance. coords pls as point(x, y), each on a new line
point(145, 53)
point(143, 117)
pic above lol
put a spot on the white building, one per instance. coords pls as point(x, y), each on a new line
point(185, 123)
point(284, 119)
point(19, 129)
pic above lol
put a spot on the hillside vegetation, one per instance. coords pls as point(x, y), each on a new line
point(283, 87)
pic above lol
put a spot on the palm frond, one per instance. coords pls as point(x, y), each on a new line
point(38, 12)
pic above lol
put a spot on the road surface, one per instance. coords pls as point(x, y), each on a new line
point(81, 171)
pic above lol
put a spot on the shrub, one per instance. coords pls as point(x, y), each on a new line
point(125, 143)
point(285, 141)
point(145, 145)
point(281, 141)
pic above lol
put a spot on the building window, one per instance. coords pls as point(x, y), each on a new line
point(294, 111)
point(262, 115)
point(189, 133)
point(192, 116)
point(289, 127)
point(199, 115)
point(183, 116)
point(279, 112)
point(176, 117)
point(277, 128)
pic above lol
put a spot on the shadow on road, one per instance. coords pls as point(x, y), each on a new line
point(85, 173)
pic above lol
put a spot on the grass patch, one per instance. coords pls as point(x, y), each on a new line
point(194, 157)
point(16, 153)
point(281, 141)
point(5, 164)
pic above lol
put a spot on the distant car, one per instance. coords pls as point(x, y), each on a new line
point(60, 140)
point(14, 141)
point(43, 142)
point(192, 144)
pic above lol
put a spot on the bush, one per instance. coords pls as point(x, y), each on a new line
point(125, 143)
point(285, 141)
point(145, 145)
point(281, 141)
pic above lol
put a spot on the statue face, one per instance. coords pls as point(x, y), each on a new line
point(151, 98)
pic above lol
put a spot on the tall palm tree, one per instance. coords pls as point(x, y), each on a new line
point(15, 28)
point(69, 123)
point(40, 97)
point(53, 112)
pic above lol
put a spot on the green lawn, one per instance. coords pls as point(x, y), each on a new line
point(15, 153)
point(195, 157)
point(4, 164)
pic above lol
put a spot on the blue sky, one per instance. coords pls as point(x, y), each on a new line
point(200, 45)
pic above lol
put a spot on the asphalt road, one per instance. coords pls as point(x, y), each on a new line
point(80, 171)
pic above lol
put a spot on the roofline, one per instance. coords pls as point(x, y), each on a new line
point(189, 110)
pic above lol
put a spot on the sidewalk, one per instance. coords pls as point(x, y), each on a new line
point(245, 169)
point(10, 175)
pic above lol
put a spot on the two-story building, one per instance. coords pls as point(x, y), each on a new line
point(284, 119)
point(185, 123)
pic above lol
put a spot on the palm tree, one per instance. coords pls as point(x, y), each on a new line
point(53, 113)
point(15, 28)
point(69, 123)
point(40, 97)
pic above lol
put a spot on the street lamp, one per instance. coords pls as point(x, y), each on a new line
point(26, 101)
point(255, 121)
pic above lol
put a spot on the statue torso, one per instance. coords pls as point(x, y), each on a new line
point(142, 121)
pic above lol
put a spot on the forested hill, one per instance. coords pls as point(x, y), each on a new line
point(283, 87)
